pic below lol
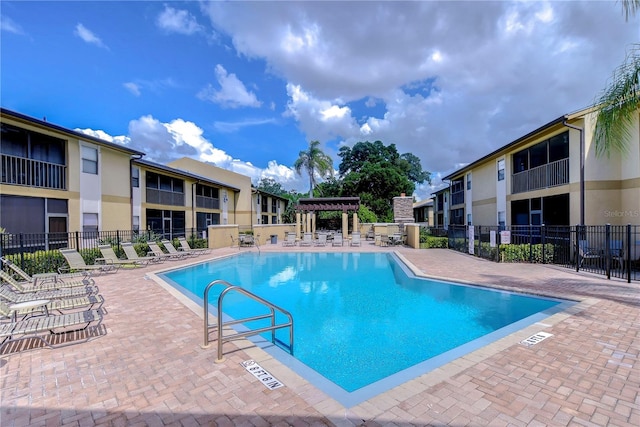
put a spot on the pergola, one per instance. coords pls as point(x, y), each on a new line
point(306, 211)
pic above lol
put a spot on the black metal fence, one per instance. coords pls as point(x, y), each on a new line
point(610, 250)
point(37, 252)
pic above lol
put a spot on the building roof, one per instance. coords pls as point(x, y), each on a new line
point(80, 135)
point(268, 193)
point(423, 203)
point(181, 172)
point(513, 143)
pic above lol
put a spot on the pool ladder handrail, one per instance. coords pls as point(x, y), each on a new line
point(220, 324)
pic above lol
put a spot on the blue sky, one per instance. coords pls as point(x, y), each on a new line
point(246, 85)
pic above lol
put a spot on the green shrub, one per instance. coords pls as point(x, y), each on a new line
point(434, 242)
point(520, 253)
point(39, 261)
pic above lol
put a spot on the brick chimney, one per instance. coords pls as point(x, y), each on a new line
point(403, 209)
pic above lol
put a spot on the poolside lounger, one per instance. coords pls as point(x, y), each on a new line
point(587, 253)
point(290, 240)
point(26, 287)
point(22, 310)
point(44, 327)
point(322, 240)
point(337, 239)
point(173, 251)
point(355, 239)
point(82, 276)
point(307, 239)
point(156, 251)
point(110, 257)
point(12, 295)
point(184, 244)
point(76, 262)
point(130, 252)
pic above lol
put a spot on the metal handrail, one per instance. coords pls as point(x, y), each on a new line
point(220, 324)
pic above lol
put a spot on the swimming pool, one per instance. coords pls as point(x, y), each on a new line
point(362, 319)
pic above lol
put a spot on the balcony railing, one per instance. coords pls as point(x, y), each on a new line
point(207, 202)
point(457, 198)
point(545, 176)
point(163, 197)
point(33, 173)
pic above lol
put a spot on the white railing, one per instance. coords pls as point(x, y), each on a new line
point(32, 173)
point(549, 175)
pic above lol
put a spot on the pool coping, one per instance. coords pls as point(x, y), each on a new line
point(386, 392)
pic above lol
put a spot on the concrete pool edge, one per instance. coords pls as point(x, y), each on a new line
point(386, 399)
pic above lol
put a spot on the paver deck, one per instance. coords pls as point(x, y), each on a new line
point(148, 367)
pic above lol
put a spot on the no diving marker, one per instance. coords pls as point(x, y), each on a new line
point(265, 377)
point(536, 338)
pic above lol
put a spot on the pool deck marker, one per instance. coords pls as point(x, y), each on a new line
point(536, 338)
point(265, 377)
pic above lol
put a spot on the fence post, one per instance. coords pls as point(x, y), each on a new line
point(576, 250)
point(628, 246)
point(542, 241)
point(118, 239)
point(77, 241)
point(530, 243)
point(607, 250)
point(21, 239)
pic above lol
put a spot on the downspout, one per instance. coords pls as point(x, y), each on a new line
point(581, 130)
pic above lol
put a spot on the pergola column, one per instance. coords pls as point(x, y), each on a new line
point(345, 224)
point(356, 223)
point(298, 224)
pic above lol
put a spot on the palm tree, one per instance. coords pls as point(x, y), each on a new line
point(619, 101)
point(315, 162)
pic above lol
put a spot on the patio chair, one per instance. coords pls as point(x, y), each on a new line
point(109, 257)
point(131, 254)
point(184, 244)
point(307, 239)
point(321, 240)
point(355, 239)
point(384, 240)
point(337, 240)
point(76, 263)
point(246, 240)
point(587, 253)
point(26, 287)
point(156, 251)
point(82, 276)
point(25, 309)
point(168, 245)
point(44, 327)
point(9, 294)
point(290, 240)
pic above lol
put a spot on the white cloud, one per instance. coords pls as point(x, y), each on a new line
point(165, 142)
point(88, 36)
point(133, 88)
point(232, 92)
point(8, 25)
point(228, 127)
point(178, 21)
point(158, 85)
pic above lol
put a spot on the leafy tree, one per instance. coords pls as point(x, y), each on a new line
point(289, 214)
point(271, 186)
point(377, 173)
point(619, 101)
point(366, 215)
point(315, 161)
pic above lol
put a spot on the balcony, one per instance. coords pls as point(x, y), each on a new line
point(163, 197)
point(33, 173)
point(207, 202)
point(457, 198)
point(545, 176)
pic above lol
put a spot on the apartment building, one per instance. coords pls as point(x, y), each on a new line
point(56, 180)
point(550, 176)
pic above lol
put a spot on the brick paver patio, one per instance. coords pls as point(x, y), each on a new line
point(148, 367)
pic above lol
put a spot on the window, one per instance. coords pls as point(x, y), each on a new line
point(135, 177)
point(89, 160)
point(468, 219)
point(274, 205)
point(502, 219)
point(468, 181)
point(90, 222)
point(501, 170)
point(265, 219)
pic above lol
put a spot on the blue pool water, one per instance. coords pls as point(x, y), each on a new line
point(360, 317)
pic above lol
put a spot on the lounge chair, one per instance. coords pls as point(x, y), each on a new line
point(173, 251)
point(131, 254)
point(22, 310)
point(587, 253)
point(82, 276)
point(290, 240)
point(246, 240)
point(184, 244)
point(337, 239)
point(321, 240)
point(355, 239)
point(43, 327)
point(9, 294)
point(307, 239)
point(156, 251)
point(109, 257)
point(26, 287)
point(76, 263)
